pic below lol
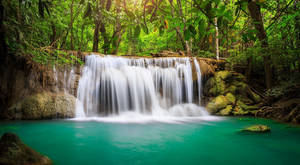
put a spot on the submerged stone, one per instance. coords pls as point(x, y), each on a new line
point(14, 151)
point(257, 128)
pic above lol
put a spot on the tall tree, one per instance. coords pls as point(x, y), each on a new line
point(3, 47)
point(97, 23)
point(71, 25)
point(116, 39)
point(255, 13)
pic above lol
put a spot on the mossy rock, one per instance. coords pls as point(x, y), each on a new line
point(230, 97)
point(225, 112)
point(215, 86)
point(231, 89)
point(247, 107)
point(217, 104)
point(239, 111)
point(223, 75)
point(236, 91)
point(246, 100)
point(255, 97)
point(37, 106)
point(45, 105)
point(257, 129)
point(239, 77)
point(14, 151)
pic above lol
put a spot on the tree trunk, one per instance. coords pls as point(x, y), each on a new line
point(105, 38)
point(177, 29)
point(181, 38)
point(217, 39)
point(118, 34)
point(71, 23)
point(3, 47)
point(96, 35)
point(249, 68)
point(53, 36)
point(297, 33)
point(81, 38)
point(102, 28)
point(256, 16)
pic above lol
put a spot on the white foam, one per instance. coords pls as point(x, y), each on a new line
point(177, 114)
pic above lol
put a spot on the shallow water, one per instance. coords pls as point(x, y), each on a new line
point(181, 142)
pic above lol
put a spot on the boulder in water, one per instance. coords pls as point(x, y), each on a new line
point(14, 151)
point(257, 128)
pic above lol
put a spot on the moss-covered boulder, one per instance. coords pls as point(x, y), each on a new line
point(45, 105)
point(230, 94)
point(215, 86)
point(14, 151)
point(226, 111)
point(231, 98)
point(217, 104)
point(257, 129)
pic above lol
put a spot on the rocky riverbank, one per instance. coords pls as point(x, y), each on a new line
point(29, 90)
point(231, 95)
point(45, 105)
point(14, 151)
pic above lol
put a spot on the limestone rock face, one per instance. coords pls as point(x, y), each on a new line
point(45, 105)
point(230, 95)
point(257, 129)
point(14, 151)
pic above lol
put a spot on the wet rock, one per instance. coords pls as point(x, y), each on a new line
point(45, 105)
point(231, 95)
point(257, 129)
point(226, 111)
point(14, 151)
point(231, 98)
point(217, 104)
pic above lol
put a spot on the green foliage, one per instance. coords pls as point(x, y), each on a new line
point(285, 88)
point(54, 57)
point(142, 27)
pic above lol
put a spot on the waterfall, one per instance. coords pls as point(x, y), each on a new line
point(112, 85)
point(199, 79)
point(64, 79)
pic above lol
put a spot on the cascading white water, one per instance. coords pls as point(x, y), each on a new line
point(64, 79)
point(113, 85)
point(199, 79)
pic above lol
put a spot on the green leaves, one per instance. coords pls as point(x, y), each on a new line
point(249, 35)
point(161, 30)
point(88, 10)
point(145, 28)
point(190, 32)
point(137, 31)
point(187, 35)
point(130, 15)
point(42, 6)
point(201, 28)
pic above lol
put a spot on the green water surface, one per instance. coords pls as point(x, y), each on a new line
point(201, 143)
